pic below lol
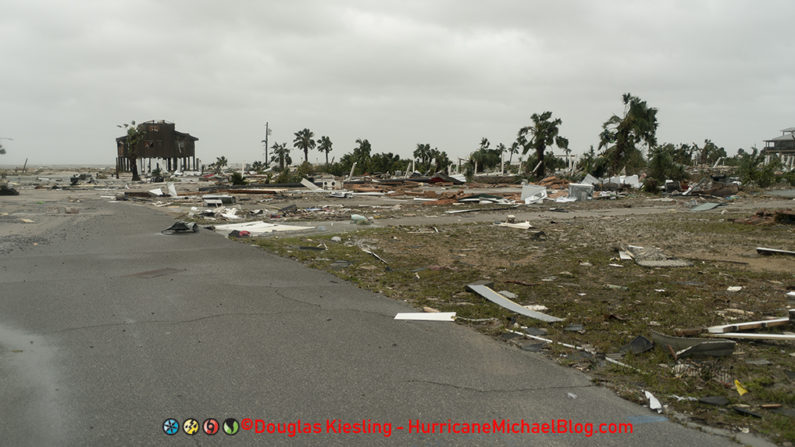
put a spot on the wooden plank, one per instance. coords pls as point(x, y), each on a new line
point(747, 326)
point(500, 300)
point(740, 335)
point(773, 251)
point(426, 316)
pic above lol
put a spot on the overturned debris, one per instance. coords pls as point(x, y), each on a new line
point(181, 227)
point(652, 257)
point(500, 300)
point(694, 347)
point(773, 251)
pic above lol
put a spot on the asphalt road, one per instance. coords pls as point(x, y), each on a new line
point(108, 328)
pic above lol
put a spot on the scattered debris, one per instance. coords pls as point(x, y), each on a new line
point(181, 227)
point(741, 390)
point(706, 206)
point(654, 404)
point(638, 345)
point(734, 288)
point(259, 228)
point(580, 191)
point(766, 217)
point(773, 251)
point(719, 401)
point(311, 186)
point(574, 328)
point(740, 335)
point(694, 347)
point(359, 219)
point(6, 190)
point(521, 225)
point(500, 300)
point(653, 257)
point(746, 412)
point(425, 316)
point(750, 325)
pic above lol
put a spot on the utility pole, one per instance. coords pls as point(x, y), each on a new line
point(267, 132)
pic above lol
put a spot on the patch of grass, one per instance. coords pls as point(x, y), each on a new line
point(568, 270)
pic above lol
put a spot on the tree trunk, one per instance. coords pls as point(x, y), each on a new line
point(326, 159)
point(306, 155)
point(134, 169)
point(541, 168)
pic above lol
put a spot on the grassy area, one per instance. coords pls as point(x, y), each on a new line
point(566, 266)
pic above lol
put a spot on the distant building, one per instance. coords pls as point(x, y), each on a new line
point(162, 142)
point(783, 147)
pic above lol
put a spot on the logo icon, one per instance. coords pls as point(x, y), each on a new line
point(171, 426)
point(210, 426)
point(190, 426)
point(231, 426)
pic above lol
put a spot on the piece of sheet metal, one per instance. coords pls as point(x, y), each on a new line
point(500, 300)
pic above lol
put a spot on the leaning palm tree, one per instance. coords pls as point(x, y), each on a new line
point(620, 134)
point(543, 132)
point(514, 149)
point(281, 154)
point(304, 141)
point(324, 145)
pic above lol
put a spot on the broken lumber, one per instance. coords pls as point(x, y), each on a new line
point(426, 316)
point(741, 336)
point(773, 251)
point(500, 300)
point(722, 329)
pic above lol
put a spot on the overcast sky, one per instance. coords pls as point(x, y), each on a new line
point(398, 73)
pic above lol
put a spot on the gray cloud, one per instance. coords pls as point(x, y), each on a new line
point(396, 72)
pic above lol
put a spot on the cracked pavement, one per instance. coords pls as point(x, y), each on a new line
point(96, 349)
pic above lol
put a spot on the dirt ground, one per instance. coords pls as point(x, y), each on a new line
point(568, 262)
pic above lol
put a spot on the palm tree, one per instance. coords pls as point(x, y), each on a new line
point(423, 155)
point(304, 141)
point(543, 132)
point(514, 149)
point(131, 147)
point(281, 154)
point(219, 164)
point(324, 145)
point(620, 134)
point(440, 160)
point(361, 154)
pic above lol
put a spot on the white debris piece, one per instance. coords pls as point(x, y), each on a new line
point(258, 228)
point(533, 194)
point(426, 316)
point(654, 404)
point(519, 225)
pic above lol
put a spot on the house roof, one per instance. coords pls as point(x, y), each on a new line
point(783, 138)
